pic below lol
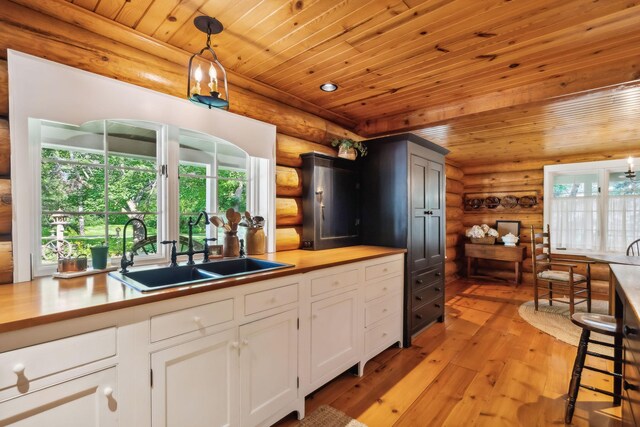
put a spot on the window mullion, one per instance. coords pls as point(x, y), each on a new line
point(106, 180)
point(171, 181)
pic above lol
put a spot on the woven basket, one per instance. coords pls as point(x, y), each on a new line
point(488, 240)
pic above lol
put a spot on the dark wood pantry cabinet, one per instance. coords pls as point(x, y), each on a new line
point(403, 205)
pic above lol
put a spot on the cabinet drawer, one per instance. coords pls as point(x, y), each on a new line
point(418, 280)
point(383, 335)
point(426, 314)
point(191, 319)
point(382, 288)
point(331, 282)
point(41, 360)
point(272, 298)
point(379, 309)
point(373, 272)
point(425, 295)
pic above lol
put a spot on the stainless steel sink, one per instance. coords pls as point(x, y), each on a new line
point(185, 275)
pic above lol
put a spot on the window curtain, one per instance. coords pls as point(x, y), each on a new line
point(575, 223)
point(623, 222)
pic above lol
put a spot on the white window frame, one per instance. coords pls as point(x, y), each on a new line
point(41, 89)
point(602, 169)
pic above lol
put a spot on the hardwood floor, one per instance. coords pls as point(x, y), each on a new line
point(484, 366)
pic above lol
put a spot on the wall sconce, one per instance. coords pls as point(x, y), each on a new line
point(630, 173)
point(212, 95)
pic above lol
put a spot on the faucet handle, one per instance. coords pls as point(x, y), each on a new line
point(174, 252)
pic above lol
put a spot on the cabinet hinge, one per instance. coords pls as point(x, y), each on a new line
point(298, 326)
point(298, 382)
point(151, 377)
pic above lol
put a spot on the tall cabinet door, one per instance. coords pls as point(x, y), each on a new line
point(435, 217)
point(426, 213)
point(194, 384)
point(268, 366)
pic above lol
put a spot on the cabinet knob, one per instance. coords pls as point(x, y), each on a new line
point(437, 305)
point(108, 391)
point(384, 270)
point(235, 344)
point(197, 319)
point(245, 342)
point(384, 289)
point(336, 283)
point(419, 281)
point(384, 310)
point(628, 330)
point(436, 289)
point(438, 274)
point(418, 297)
point(419, 316)
point(18, 369)
point(628, 386)
point(384, 334)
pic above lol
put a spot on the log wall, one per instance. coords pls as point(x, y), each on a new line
point(523, 177)
point(455, 228)
point(148, 63)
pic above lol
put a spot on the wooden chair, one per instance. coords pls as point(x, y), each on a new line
point(603, 324)
point(561, 282)
point(634, 248)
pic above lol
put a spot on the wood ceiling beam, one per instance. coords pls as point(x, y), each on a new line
point(90, 21)
point(577, 82)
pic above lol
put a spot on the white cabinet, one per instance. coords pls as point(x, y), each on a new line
point(195, 383)
point(268, 366)
point(90, 400)
point(334, 336)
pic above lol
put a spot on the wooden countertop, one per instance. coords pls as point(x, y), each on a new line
point(46, 300)
point(628, 281)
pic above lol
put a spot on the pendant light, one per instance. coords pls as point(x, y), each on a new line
point(205, 65)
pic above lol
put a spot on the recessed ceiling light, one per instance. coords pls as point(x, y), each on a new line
point(329, 87)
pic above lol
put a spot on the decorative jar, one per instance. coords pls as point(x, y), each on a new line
point(231, 244)
point(255, 241)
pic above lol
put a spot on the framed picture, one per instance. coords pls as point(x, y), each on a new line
point(506, 227)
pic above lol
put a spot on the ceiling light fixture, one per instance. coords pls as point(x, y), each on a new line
point(217, 74)
point(329, 87)
point(631, 174)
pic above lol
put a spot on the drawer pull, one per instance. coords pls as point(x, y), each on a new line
point(108, 391)
point(419, 316)
point(419, 281)
point(437, 289)
point(627, 330)
point(418, 297)
point(18, 369)
point(438, 274)
point(437, 305)
point(629, 386)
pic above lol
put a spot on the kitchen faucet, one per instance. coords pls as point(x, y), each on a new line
point(124, 262)
point(190, 251)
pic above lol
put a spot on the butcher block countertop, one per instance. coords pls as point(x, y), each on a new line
point(45, 300)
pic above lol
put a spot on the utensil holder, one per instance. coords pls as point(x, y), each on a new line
point(231, 244)
point(255, 241)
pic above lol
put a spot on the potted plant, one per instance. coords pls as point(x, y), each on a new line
point(348, 148)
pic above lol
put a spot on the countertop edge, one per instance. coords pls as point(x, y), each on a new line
point(628, 281)
point(139, 298)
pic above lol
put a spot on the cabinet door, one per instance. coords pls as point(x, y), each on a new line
point(90, 400)
point(194, 384)
point(268, 366)
point(426, 213)
point(334, 334)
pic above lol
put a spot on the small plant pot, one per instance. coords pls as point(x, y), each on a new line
point(347, 153)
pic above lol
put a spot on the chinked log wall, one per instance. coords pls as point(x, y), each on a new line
point(67, 34)
point(454, 252)
point(502, 179)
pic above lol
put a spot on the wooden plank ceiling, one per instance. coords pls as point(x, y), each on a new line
point(402, 65)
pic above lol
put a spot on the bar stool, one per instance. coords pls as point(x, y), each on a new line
point(606, 325)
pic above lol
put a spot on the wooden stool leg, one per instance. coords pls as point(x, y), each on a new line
point(550, 294)
point(535, 294)
point(574, 385)
point(617, 368)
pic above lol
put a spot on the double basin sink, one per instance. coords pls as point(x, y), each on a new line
point(185, 275)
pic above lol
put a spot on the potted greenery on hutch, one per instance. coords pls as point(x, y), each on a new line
point(348, 148)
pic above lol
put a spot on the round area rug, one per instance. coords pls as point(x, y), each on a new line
point(327, 416)
point(555, 321)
